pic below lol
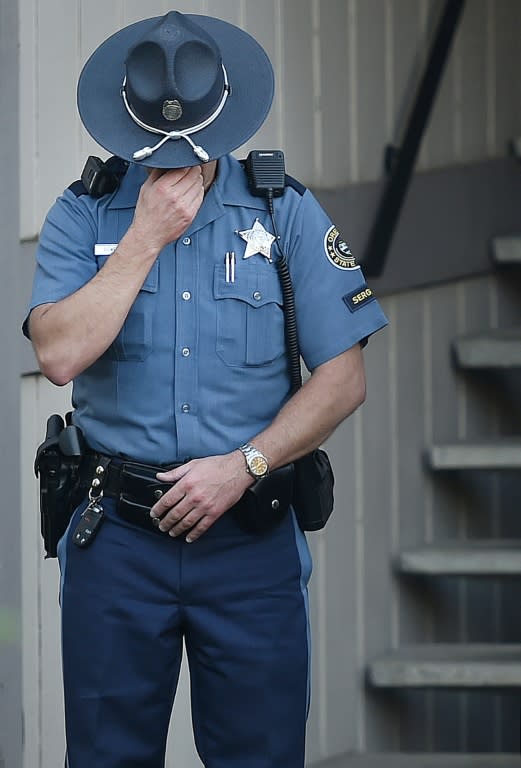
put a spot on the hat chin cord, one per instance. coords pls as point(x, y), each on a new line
point(199, 151)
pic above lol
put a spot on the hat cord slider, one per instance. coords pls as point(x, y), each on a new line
point(199, 151)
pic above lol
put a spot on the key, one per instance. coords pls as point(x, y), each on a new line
point(88, 525)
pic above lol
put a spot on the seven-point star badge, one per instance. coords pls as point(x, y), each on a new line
point(258, 240)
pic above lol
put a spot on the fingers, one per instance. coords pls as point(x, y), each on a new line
point(176, 509)
point(178, 516)
point(173, 177)
point(203, 489)
point(168, 202)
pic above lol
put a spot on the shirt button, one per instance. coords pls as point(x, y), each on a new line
point(186, 295)
point(185, 407)
point(186, 241)
point(257, 295)
point(185, 352)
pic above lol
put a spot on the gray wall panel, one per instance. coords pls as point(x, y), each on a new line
point(408, 53)
point(376, 441)
point(265, 22)
point(471, 128)
point(414, 619)
point(444, 596)
point(507, 57)
point(339, 558)
point(335, 97)
point(372, 87)
point(10, 583)
point(296, 80)
point(439, 142)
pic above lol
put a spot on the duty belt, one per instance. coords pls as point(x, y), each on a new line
point(136, 488)
point(133, 484)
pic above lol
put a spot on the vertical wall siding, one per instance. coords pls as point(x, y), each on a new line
point(346, 72)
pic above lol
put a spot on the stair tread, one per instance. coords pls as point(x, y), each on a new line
point(496, 348)
point(463, 558)
point(496, 453)
point(421, 760)
point(449, 666)
point(507, 249)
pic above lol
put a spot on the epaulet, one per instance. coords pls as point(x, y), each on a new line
point(99, 178)
point(294, 184)
point(78, 188)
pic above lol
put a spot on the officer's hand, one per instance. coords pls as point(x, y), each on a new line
point(204, 489)
point(167, 204)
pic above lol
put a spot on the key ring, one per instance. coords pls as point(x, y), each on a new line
point(96, 486)
point(92, 496)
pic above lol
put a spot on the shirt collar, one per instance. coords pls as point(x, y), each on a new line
point(127, 193)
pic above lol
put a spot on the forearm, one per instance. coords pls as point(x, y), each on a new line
point(205, 488)
point(331, 394)
point(71, 334)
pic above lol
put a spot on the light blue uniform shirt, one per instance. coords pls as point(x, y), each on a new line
point(200, 365)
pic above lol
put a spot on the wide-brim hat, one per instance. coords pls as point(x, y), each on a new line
point(204, 81)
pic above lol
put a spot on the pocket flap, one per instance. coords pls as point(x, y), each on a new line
point(253, 284)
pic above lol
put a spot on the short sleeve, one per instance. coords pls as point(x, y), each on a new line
point(335, 307)
point(65, 258)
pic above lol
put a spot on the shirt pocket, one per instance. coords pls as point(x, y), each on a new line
point(249, 315)
point(134, 341)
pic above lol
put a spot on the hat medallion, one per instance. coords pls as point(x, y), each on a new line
point(172, 109)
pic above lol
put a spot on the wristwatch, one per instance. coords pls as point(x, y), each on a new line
point(256, 462)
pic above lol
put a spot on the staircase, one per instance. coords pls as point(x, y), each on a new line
point(470, 668)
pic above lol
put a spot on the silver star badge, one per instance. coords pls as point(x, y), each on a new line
point(258, 240)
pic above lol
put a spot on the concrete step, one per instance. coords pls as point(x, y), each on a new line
point(506, 250)
point(420, 760)
point(501, 453)
point(448, 666)
point(492, 349)
point(470, 558)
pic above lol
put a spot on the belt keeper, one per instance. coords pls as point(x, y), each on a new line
point(97, 484)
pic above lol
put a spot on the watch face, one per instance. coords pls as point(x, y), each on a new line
point(258, 466)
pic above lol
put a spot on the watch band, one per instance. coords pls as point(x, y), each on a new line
point(256, 463)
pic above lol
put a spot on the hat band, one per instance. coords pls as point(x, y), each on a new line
point(200, 152)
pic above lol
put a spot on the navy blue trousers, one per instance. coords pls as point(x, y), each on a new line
point(240, 603)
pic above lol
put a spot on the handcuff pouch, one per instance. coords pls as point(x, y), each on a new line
point(266, 502)
point(313, 499)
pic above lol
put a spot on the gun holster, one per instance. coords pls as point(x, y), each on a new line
point(57, 464)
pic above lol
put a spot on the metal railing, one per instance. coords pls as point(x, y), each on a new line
point(401, 160)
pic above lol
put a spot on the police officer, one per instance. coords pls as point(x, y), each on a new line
point(162, 303)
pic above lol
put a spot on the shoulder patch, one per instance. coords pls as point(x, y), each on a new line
point(358, 298)
point(338, 251)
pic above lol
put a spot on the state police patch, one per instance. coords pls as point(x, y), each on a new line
point(338, 251)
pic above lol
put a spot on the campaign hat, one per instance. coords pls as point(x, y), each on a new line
point(175, 90)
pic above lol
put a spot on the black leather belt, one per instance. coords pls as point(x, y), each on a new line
point(134, 485)
point(127, 477)
point(137, 489)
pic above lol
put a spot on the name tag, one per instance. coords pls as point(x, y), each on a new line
point(104, 249)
